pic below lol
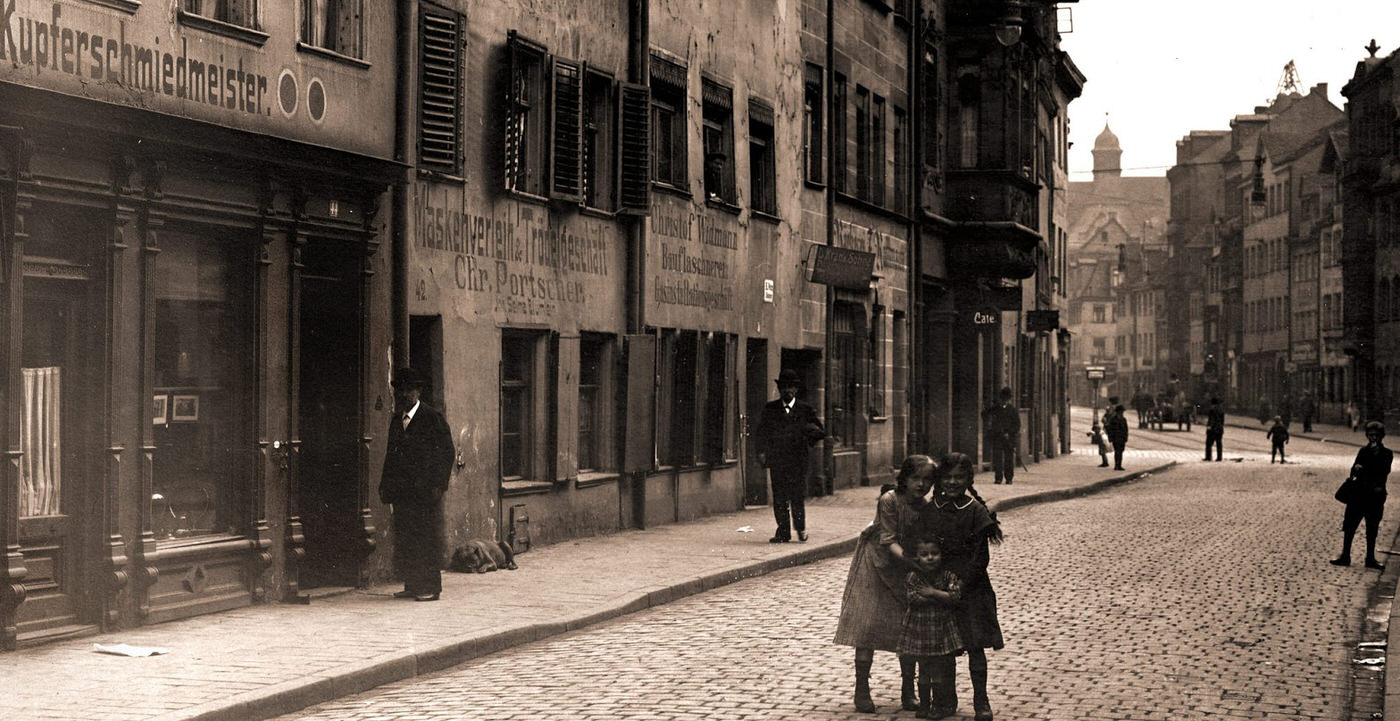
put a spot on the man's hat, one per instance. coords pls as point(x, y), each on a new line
point(1113, 400)
point(410, 378)
point(788, 377)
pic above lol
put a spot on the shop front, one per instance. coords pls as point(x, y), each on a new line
point(192, 290)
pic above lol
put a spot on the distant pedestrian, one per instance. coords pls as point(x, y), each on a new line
point(1096, 438)
point(964, 527)
point(1265, 410)
point(1004, 429)
point(1278, 433)
point(1370, 470)
point(417, 468)
point(929, 634)
point(1116, 427)
point(1183, 409)
point(1307, 408)
point(875, 593)
point(1215, 428)
point(1353, 416)
point(787, 428)
point(1285, 410)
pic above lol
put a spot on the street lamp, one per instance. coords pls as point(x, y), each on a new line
point(1008, 27)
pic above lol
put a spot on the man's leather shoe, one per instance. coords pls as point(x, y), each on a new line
point(404, 594)
point(426, 597)
point(1373, 563)
point(779, 539)
point(802, 536)
point(1340, 561)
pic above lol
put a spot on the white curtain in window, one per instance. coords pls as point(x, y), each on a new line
point(41, 471)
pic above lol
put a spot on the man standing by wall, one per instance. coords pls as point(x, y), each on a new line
point(1004, 429)
point(417, 467)
point(1115, 426)
point(787, 427)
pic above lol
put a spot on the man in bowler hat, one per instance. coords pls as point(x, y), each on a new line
point(787, 427)
point(417, 467)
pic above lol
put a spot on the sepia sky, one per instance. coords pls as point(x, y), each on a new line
point(1163, 69)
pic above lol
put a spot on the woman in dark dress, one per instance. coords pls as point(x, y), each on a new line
point(958, 518)
point(874, 601)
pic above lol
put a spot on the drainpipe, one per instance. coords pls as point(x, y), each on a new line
point(918, 424)
point(398, 272)
point(638, 71)
point(828, 445)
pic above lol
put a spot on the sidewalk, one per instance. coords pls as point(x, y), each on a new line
point(1324, 432)
point(266, 660)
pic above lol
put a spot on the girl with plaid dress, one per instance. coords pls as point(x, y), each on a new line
point(929, 635)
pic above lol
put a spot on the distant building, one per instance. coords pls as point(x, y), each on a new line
point(1111, 218)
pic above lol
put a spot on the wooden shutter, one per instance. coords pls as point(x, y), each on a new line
point(440, 90)
point(566, 160)
point(634, 154)
point(639, 439)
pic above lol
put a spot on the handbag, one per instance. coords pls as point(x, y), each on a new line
point(1347, 492)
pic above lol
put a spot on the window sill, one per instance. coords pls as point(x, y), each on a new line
point(127, 6)
point(589, 480)
point(814, 184)
point(527, 197)
point(669, 189)
point(767, 217)
point(849, 199)
point(597, 212)
point(441, 176)
point(724, 205)
point(525, 488)
point(304, 47)
point(219, 27)
point(879, 419)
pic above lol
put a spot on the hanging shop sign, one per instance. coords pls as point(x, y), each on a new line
point(840, 267)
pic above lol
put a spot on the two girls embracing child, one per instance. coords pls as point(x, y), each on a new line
point(950, 604)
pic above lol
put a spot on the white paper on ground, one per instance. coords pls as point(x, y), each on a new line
point(122, 649)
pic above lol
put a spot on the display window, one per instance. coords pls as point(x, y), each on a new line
point(202, 394)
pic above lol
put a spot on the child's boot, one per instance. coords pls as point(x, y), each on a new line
point(862, 695)
point(925, 695)
point(906, 689)
point(943, 700)
point(977, 669)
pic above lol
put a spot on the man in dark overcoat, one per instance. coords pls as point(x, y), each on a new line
point(1115, 426)
point(417, 467)
point(1367, 502)
point(787, 428)
point(1004, 432)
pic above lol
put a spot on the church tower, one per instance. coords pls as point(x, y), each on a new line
point(1108, 155)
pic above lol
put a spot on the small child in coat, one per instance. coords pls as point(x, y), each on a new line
point(1279, 434)
point(1096, 438)
point(929, 634)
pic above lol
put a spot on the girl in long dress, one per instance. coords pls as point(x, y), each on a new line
point(874, 600)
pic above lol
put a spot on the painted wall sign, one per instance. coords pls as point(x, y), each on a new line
point(524, 259)
point(151, 61)
point(692, 258)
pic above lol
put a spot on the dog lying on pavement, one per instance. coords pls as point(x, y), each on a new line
point(480, 556)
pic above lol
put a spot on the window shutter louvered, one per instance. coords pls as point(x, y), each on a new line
point(566, 162)
point(513, 136)
point(440, 99)
point(634, 123)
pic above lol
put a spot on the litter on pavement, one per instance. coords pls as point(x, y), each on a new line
point(745, 529)
point(123, 649)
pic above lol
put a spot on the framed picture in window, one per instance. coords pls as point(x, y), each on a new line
point(184, 408)
point(158, 409)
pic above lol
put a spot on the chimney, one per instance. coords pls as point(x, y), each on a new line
point(1320, 90)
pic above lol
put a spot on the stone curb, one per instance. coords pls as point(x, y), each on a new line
point(396, 666)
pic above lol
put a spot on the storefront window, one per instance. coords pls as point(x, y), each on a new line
point(202, 395)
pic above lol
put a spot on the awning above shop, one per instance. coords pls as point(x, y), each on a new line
point(993, 250)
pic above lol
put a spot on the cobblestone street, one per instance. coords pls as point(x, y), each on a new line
point(1200, 593)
